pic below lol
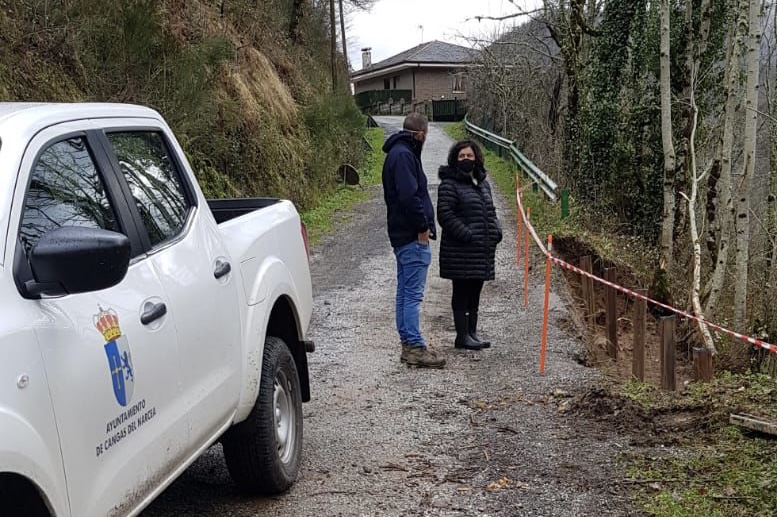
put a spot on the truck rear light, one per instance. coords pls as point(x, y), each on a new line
point(304, 231)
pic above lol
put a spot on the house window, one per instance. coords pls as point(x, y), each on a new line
point(458, 82)
point(386, 84)
point(396, 81)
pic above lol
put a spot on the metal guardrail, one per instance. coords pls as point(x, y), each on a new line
point(548, 186)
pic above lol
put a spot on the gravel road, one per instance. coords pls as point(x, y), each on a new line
point(485, 436)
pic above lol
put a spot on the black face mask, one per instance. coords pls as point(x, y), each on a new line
point(466, 166)
point(416, 145)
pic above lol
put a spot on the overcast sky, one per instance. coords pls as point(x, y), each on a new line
point(392, 26)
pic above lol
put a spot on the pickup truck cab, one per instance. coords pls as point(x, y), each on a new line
point(139, 323)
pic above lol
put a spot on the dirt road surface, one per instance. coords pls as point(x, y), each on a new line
point(487, 435)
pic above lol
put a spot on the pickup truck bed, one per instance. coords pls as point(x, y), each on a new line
point(226, 209)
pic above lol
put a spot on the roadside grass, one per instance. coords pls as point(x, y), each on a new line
point(734, 476)
point(320, 220)
point(731, 474)
point(715, 469)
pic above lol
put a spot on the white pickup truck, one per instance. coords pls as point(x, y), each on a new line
point(139, 322)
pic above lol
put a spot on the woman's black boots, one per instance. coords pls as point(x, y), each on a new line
point(463, 338)
point(473, 329)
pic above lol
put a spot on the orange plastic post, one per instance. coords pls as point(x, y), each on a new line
point(548, 263)
point(526, 259)
point(518, 224)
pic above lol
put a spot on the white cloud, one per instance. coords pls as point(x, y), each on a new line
point(392, 26)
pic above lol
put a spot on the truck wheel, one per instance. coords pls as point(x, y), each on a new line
point(19, 498)
point(263, 452)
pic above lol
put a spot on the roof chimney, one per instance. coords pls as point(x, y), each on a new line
point(366, 57)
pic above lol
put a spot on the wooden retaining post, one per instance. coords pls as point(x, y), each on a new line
point(668, 346)
point(588, 290)
point(612, 314)
point(638, 354)
point(702, 364)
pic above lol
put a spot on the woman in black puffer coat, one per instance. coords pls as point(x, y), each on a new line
point(470, 233)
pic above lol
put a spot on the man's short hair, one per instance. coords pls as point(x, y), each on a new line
point(415, 122)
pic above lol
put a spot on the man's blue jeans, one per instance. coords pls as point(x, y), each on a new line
point(413, 262)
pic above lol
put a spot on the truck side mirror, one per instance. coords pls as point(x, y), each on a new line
point(74, 259)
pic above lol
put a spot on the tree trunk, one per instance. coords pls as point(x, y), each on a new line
point(771, 198)
point(704, 32)
point(298, 8)
point(667, 219)
point(748, 167)
point(724, 209)
point(713, 184)
point(568, 35)
point(333, 41)
point(342, 35)
point(705, 332)
point(695, 48)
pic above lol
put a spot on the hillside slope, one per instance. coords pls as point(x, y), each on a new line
point(244, 98)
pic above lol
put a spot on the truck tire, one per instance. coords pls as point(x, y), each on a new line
point(263, 452)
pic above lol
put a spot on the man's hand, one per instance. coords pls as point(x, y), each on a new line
point(423, 237)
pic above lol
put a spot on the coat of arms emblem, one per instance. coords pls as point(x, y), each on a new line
point(119, 355)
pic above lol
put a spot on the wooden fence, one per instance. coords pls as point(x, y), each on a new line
point(702, 357)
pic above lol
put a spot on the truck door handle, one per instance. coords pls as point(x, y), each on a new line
point(154, 313)
point(222, 268)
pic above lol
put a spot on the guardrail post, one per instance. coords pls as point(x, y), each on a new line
point(564, 204)
point(668, 345)
point(638, 354)
point(612, 314)
point(702, 364)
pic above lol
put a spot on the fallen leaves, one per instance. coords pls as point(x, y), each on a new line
point(500, 484)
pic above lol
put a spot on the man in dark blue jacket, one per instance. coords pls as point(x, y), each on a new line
point(410, 226)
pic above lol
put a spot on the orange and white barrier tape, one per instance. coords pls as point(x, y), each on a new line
point(742, 337)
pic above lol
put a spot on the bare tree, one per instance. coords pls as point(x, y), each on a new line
point(770, 80)
point(695, 179)
point(342, 34)
point(298, 13)
point(333, 41)
point(742, 219)
point(695, 48)
point(515, 90)
point(568, 26)
point(721, 221)
point(667, 218)
point(362, 5)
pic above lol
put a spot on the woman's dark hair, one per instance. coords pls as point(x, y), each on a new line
point(453, 154)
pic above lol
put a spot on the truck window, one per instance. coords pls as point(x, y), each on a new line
point(154, 181)
point(65, 190)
